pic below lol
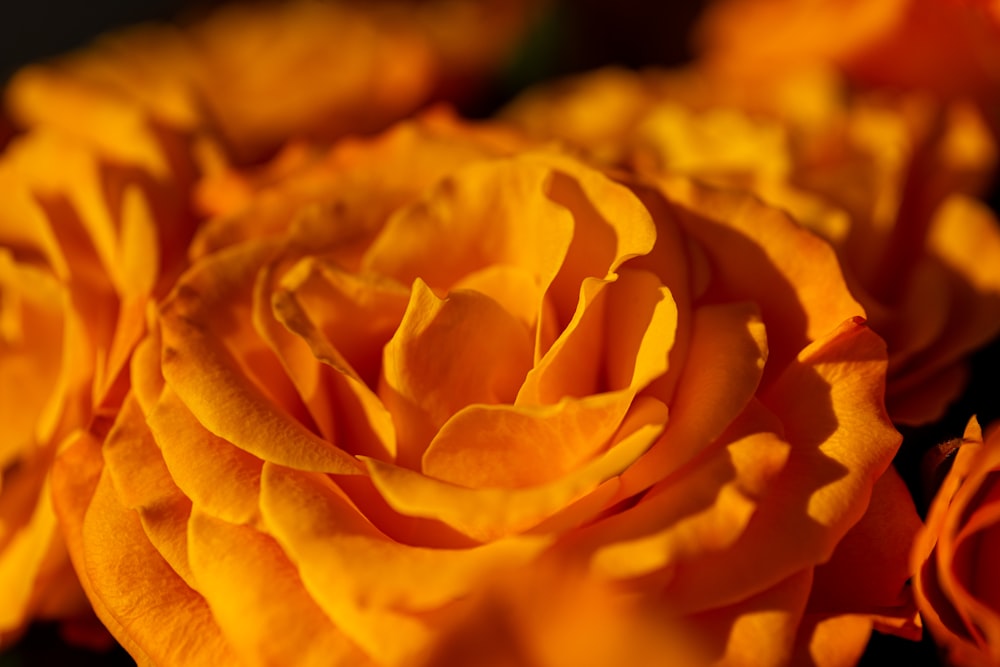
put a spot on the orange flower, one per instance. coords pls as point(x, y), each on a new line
point(414, 362)
point(82, 250)
point(948, 47)
point(954, 557)
point(97, 191)
point(889, 181)
point(257, 75)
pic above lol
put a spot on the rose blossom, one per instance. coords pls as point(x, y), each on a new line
point(410, 364)
point(890, 181)
point(256, 75)
point(82, 251)
point(950, 48)
point(954, 556)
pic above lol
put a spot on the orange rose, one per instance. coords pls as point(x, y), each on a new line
point(82, 250)
point(410, 363)
point(257, 75)
point(954, 557)
point(889, 181)
point(948, 47)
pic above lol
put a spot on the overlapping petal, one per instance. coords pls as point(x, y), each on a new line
point(888, 180)
point(401, 367)
point(955, 589)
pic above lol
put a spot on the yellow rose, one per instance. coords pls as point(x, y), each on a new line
point(415, 363)
point(954, 577)
point(891, 182)
point(82, 250)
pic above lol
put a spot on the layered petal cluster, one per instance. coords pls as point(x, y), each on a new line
point(101, 151)
point(949, 47)
point(891, 181)
point(255, 75)
point(406, 368)
point(83, 249)
point(954, 556)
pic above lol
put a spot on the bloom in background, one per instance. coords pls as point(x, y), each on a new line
point(401, 367)
point(950, 48)
point(890, 181)
point(331, 69)
point(83, 248)
point(955, 555)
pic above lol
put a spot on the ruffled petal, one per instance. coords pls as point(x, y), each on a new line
point(363, 580)
point(250, 585)
point(488, 514)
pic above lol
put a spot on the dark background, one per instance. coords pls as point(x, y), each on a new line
point(571, 36)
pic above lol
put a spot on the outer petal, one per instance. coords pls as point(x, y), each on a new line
point(953, 584)
point(99, 530)
point(758, 253)
point(841, 442)
point(250, 586)
point(207, 378)
point(220, 479)
point(367, 583)
point(722, 371)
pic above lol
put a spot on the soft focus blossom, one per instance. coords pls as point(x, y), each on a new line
point(955, 556)
point(83, 248)
point(256, 75)
point(890, 181)
point(402, 367)
point(948, 47)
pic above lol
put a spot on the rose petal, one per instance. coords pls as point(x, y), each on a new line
point(75, 475)
point(199, 367)
point(726, 357)
point(758, 253)
point(761, 629)
point(142, 483)
point(151, 606)
point(356, 314)
point(518, 291)
point(464, 209)
point(610, 227)
point(703, 508)
point(620, 337)
point(572, 366)
point(27, 534)
point(250, 585)
point(361, 578)
point(31, 334)
point(220, 479)
point(344, 406)
point(487, 514)
point(426, 363)
point(832, 641)
point(830, 400)
point(850, 366)
point(133, 461)
point(504, 446)
point(869, 570)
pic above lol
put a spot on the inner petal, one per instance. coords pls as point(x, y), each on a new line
point(447, 354)
point(356, 313)
point(490, 213)
point(508, 446)
point(486, 514)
